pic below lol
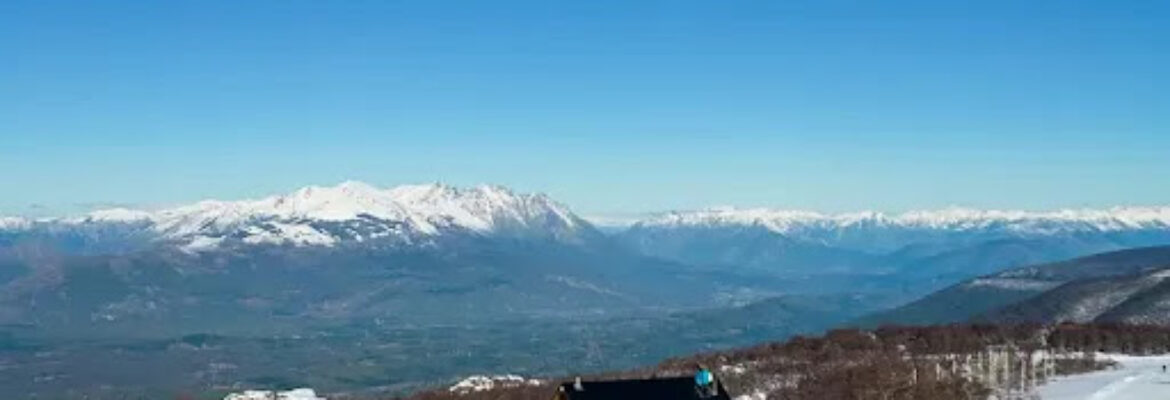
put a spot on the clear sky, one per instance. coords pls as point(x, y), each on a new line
point(610, 106)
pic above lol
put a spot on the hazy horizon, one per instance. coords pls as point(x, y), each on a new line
point(601, 219)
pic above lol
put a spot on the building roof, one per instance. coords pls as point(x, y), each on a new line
point(681, 388)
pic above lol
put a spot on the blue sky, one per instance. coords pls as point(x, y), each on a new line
point(611, 106)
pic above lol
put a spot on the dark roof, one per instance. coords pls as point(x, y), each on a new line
point(682, 388)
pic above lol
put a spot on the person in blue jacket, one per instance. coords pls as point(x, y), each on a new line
point(705, 381)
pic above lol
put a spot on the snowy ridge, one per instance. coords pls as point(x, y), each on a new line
point(426, 207)
point(956, 219)
point(351, 211)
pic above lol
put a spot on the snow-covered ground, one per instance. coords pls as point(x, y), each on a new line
point(1136, 378)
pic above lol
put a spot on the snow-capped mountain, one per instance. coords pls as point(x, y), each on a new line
point(915, 231)
point(352, 212)
point(933, 247)
point(953, 219)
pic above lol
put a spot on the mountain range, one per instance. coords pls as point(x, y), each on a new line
point(352, 213)
point(465, 280)
point(915, 233)
point(357, 250)
point(414, 215)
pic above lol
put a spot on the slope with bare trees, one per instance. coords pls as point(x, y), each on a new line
point(935, 362)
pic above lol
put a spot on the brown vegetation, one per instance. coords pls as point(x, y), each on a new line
point(904, 363)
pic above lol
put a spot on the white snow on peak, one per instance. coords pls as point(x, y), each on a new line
point(295, 218)
point(118, 215)
point(483, 207)
point(14, 223)
point(784, 221)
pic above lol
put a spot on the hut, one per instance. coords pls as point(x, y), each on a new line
point(679, 388)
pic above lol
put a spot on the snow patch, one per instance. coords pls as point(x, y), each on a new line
point(295, 394)
point(201, 243)
point(1013, 284)
point(283, 233)
point(479, 383)
point(736, 369)
point(757, 395)
point(582, 285)
point(1160, 275)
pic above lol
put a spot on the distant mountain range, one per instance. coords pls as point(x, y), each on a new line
point(857, 229)
point(913, 253)
point(355, 213)
point(489, 245)
point(917, 233)
point(1127, 286)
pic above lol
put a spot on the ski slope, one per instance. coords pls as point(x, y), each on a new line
point(1136, 378)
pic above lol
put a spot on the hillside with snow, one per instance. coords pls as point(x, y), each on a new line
point(1133, 378)
point(1127, 286)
